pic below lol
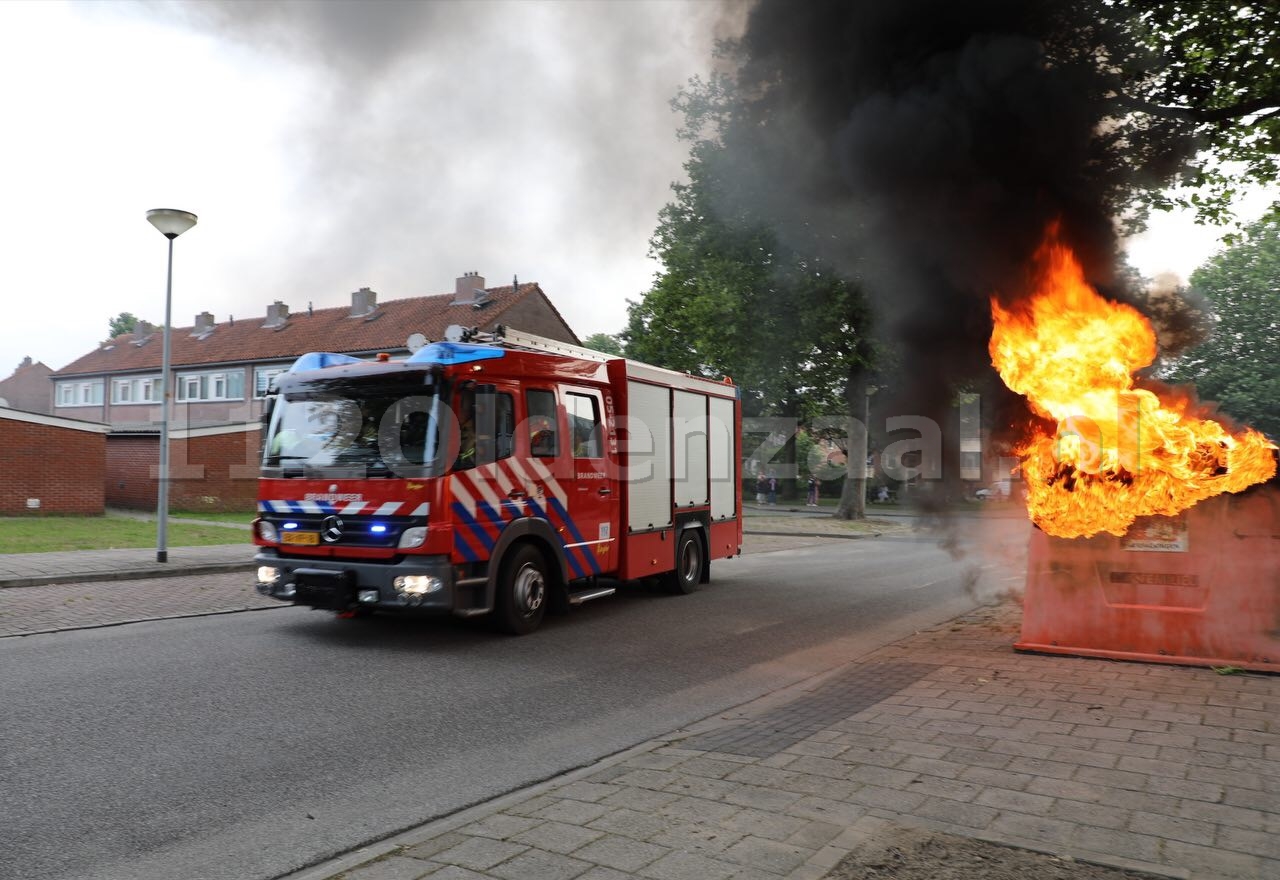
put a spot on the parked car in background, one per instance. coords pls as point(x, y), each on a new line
point(997, 491)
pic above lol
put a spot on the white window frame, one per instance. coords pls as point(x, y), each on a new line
point(262, 377)
point(208, 386)
point(137, 390)
point(82, 393)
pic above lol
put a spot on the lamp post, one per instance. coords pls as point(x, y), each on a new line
point(171, 224)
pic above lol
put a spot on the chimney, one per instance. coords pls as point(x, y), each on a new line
point(363, 302)
point(277, 315)
point(465, 290)
point(26, 362)
point(203, 325)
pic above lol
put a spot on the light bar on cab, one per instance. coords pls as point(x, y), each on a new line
point(455, 353)
point(318, 360)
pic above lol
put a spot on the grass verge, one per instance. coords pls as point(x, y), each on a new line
point(235, 519)
point(49, 534)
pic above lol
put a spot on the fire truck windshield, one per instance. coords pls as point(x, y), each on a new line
point(354, 428)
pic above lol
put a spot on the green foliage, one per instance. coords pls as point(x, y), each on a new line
point(1195, 71)
point(1239, 365)
point(732, 300)
point(125, 322)
point(604, 342)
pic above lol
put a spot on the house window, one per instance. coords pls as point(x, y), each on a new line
point(223, 385)
point(80, 393)
point(262, 377)
point(133, 390)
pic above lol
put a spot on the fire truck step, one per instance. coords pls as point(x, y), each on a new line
point(589, 594)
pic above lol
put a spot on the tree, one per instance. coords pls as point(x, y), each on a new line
point(125, 322)
point(1239, 365)
point(604, 342)
point(1201, 72)
point(733, 300)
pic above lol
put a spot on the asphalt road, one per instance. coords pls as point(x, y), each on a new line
point(248, 745)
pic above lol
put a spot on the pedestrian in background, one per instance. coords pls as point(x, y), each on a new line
point(762, 487)
point(813, 491)
point(773, 489)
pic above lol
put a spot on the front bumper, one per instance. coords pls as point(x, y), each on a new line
point(348, 584)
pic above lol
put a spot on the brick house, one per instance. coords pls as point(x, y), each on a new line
point(28, 388)
point(51, 465)
point(221, 371)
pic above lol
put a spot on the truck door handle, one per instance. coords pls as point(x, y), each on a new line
point(605, 490)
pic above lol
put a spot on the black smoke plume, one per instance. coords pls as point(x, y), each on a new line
point(924, 146)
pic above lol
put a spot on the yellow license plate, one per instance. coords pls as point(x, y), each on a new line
point(309, 538)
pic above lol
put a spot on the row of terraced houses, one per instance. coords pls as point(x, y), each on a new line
point(86, 437)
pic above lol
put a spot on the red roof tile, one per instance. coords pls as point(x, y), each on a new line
point(385, 329)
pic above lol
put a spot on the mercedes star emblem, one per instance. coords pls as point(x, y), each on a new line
point(331, 529)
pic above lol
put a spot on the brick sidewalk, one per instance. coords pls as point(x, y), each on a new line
point(1167, 769)
point(55, 607)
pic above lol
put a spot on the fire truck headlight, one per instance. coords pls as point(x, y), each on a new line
point(414, 537)
point(417, 584)
point(268, 575)
point(267, 531)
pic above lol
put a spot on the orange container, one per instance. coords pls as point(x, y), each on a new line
point(1200, 589)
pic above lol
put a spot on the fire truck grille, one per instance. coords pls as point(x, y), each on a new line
point(329, 530)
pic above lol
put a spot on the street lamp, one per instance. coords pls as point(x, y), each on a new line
point(171, 224)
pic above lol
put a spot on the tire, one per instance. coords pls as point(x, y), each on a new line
point(689, 561)
point(523, 591)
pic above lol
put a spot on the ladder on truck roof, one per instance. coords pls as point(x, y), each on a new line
point(505, 336)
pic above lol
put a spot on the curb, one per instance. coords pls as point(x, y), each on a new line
point(72, 577)
point(812, 534)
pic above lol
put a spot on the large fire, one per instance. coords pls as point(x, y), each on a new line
point(1119, 452)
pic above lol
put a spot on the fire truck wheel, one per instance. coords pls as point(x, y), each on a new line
point(688, 564)
point(523, 591)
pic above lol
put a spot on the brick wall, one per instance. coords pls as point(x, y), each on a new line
point(61, 466)
point(534, 314)
point(29, 388)
point(132, 462)
point(230, 478)
point(210, 471)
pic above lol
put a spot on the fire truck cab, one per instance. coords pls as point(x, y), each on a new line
point(494, 475)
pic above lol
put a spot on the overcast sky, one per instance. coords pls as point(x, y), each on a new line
point(328, 146)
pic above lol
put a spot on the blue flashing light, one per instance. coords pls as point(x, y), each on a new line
point(317, 360)
point(455, 353)
point(290, 525)
point(378, 529)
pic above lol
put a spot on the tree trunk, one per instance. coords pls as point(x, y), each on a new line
point(853, 496)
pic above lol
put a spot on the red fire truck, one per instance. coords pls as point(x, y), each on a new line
point(494, 474)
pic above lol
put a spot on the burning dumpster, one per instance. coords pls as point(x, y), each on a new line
point(1199, 588)
point(1150, 542)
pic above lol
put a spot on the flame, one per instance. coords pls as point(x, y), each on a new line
point(1119, 452)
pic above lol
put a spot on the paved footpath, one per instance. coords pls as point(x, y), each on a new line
point(1171, 770)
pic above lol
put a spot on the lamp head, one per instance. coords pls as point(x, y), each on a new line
point(170, 221)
